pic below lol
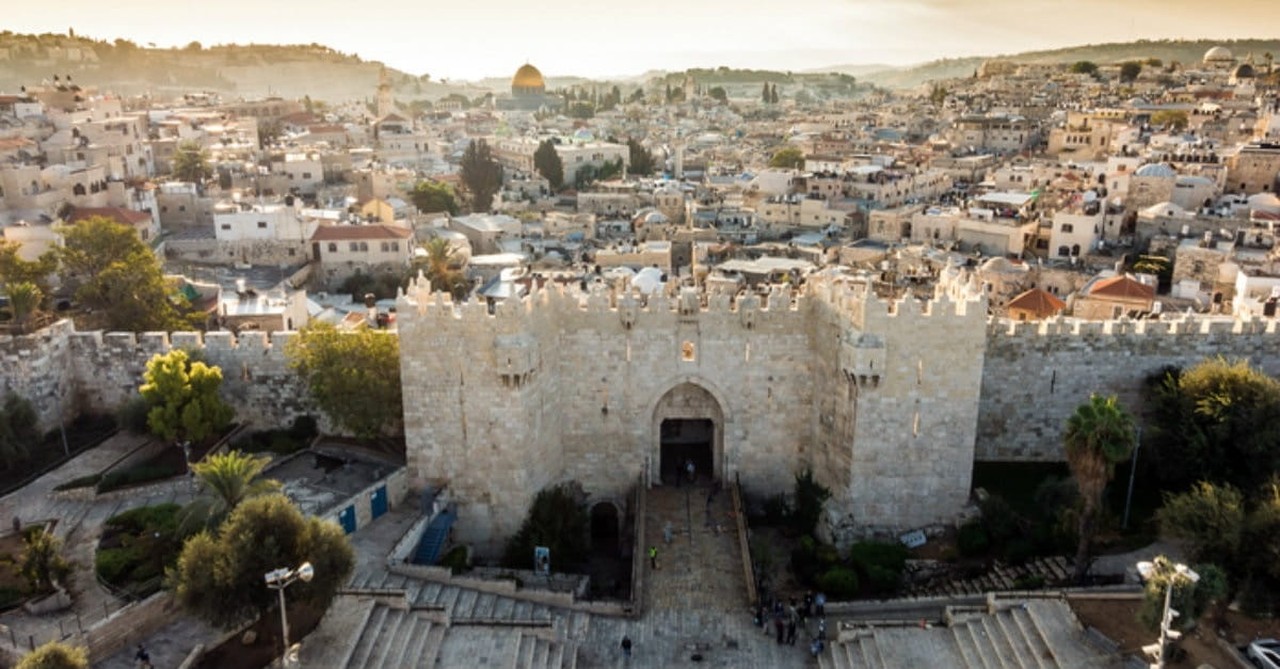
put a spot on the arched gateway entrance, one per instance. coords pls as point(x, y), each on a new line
point(688, 425)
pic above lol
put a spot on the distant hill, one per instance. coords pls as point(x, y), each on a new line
point(1182, 51)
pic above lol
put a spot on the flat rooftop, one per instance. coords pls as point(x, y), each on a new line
point(319, 482)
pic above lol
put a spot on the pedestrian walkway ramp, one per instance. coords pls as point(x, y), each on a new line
point(700, 568)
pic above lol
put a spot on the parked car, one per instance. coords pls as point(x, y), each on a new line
point(1265, 653)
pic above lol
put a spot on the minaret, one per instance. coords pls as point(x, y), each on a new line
point(385, 105)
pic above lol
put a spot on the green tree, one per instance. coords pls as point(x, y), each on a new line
point(191, 163)
point(764, 93)
point(481, 174)
point(14, 269)
point(549, 165)
point(226, 480)
point(1210, 517)
point(25, 299)
point(719, 94)
point(1130, 70)
point(56, 655)
point(810, 496)
point(773, 95)
point(1218, 421)
point(433, 196)
point(183, 396)
point(440, 267)
point(42, 564)
point(557, 519)
point(1174, 119)
point(354, 377)
point(115, 274)
point(219, 573)
point(640, 160)
point(1099, 434)
point(19, 429)
point(787, 158)
point(1084, 67)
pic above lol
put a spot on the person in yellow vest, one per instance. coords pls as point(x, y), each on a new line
point(653, 557)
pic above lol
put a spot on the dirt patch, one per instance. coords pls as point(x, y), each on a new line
point(1117, 620)
point(266, 648)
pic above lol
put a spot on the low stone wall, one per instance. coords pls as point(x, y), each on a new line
point(129, 625)
point(744, 541)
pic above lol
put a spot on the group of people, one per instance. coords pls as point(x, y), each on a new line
point(788, 620)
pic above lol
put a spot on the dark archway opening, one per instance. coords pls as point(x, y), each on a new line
point(604, 526)
point(610, 564)
point(684, 440)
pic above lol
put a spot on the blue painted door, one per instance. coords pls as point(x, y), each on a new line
point(347, 519)
point(378, 505)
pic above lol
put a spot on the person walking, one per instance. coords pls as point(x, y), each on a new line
point(626, 646)
point(779, 629)
point(142, 657)
point(653, 557)
point(820, 604)
point(691, 471)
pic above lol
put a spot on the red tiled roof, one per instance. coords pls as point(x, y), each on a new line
point(1040, 303)
point(1123, 288)
point(117, 214)
point(339, 233)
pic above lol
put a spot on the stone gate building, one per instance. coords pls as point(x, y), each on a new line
point(602, 389)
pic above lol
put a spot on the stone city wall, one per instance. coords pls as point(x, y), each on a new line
point(1036, 374)
point(97, 372)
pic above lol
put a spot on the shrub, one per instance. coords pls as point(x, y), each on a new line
point(777, 511)
point(1029, 582)
point(114, 564)
point(304, 428)
point(1000, 520)
point(810, 496)
point(1019, 551)
point(839, 583)
point(158, 518)
point(81, 482)
point(134, 476)
point(882, 580)
point(132, 415)
point(972, 539)
point(891, 556)
point(455, 559)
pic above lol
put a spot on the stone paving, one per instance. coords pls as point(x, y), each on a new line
point(79, 525)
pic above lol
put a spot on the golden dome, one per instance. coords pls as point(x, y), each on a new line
point(528, 77)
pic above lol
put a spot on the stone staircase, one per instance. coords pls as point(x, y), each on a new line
point(1051, 571)
point(395, 637)
point(535, 652)
point(1038, 634)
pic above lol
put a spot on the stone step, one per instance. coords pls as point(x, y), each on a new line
point(1062, 632)
point(448, 597)
point(431, 648)
point(427, 595)
point(465, 604)
point(416, 639)
point(503, 609)
point(1022, 654)
point(1039, 649)
point(981, 643)
point(390, 639)
point(484, 606)
point(996, 642)
point(871, 652)
point(555, 655)
point(365, 646)
point(964, 642)
point(524, 652)
point(540, 651)
point(523, 610)
point(846, 655)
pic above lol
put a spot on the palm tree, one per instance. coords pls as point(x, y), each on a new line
point(440, 266)
point(1099, 434)
point(226, 480)
point(25, 298)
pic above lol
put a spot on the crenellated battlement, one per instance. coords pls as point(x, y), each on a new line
point(1186, 325)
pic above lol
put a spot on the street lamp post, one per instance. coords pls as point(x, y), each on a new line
point(278, 580)
point(1180, 572)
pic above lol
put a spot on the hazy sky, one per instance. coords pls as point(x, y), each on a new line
point(476, 38)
